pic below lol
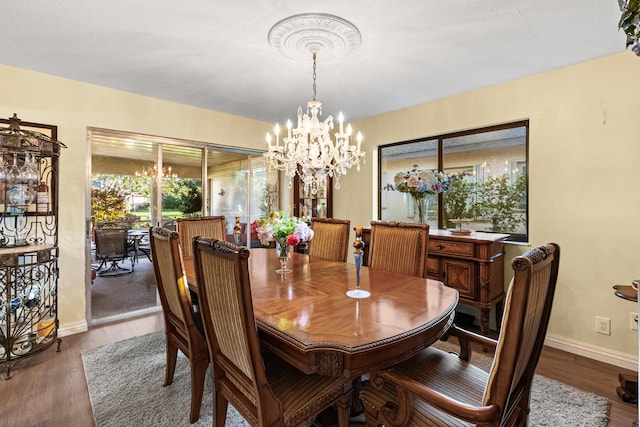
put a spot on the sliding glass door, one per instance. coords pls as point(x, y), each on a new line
point(148, 180)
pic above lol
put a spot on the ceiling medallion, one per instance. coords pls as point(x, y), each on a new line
point(296, 36)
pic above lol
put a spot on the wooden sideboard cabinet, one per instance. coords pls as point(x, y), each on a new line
point(473, 264)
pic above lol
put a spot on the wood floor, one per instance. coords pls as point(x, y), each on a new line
point(49, 389)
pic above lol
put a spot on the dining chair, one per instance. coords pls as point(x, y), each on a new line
point(112, 249)
point(399, 247)
point(180, 320)
point(330, 238)
point(264, 389)
point(206, 226)
point(444, 389)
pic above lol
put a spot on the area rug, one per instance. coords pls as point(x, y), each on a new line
point(553, 403)
point(125, 385)
point(125, 381)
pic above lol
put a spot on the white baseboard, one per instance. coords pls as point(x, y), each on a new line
point(73, 328)
point(612, 357)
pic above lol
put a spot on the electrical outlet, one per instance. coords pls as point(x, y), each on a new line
point(633, 321)
point(603, 325)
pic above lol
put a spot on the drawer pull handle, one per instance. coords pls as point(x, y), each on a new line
point(440, 246)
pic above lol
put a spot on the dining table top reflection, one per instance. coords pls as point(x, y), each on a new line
point(306, 317)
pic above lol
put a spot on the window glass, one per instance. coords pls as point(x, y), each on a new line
point(484, 185)
point(399, 163)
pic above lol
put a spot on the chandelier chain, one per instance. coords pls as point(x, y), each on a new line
point(314, 76)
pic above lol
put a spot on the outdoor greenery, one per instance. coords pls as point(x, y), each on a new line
point(495, 200)
point(107, 203)
point(109, 197)
point(498, 202)
point(630, 23)
point(457, 201)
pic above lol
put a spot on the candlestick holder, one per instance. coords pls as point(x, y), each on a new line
point(237, 230)
point(358, 245)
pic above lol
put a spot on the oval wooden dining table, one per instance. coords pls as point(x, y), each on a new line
point(306, 318)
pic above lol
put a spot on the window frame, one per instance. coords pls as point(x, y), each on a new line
point(514, 237)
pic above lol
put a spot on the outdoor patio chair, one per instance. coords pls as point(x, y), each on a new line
point(112, 250)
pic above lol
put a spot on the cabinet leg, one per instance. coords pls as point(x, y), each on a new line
point(484, 321)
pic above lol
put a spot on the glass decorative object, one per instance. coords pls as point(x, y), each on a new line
point(358, 246)
point(283, 249)
point(237, 230)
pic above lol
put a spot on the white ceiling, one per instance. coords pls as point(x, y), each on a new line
point(214, 54)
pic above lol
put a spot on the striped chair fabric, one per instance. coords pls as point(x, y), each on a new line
point(205, 226)
point(264, 389)
point(330, 238)
point(399, 247)
point(181, 329)
point(497, 398)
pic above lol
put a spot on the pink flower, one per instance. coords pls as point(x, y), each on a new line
point(293, 240)
point(412, 181)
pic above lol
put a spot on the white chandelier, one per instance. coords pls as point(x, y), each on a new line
point(309, 149)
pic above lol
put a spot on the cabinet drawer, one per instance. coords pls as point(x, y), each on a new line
point(451, 248)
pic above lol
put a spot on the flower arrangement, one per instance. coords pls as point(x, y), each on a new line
point(284, 230)
point(419, 183)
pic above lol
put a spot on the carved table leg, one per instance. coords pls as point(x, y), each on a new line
point(357, 407)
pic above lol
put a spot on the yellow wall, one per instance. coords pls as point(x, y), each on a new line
point(584, 190)
point(75, 106)
point(584, 155)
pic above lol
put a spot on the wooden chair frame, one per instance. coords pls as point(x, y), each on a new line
point(418, 392)
point(264, 389)
point(181, 329)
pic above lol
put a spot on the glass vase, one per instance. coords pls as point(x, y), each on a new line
point(422, 206)
point(283, 249)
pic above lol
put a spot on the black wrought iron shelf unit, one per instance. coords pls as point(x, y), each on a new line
point(28, 240)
